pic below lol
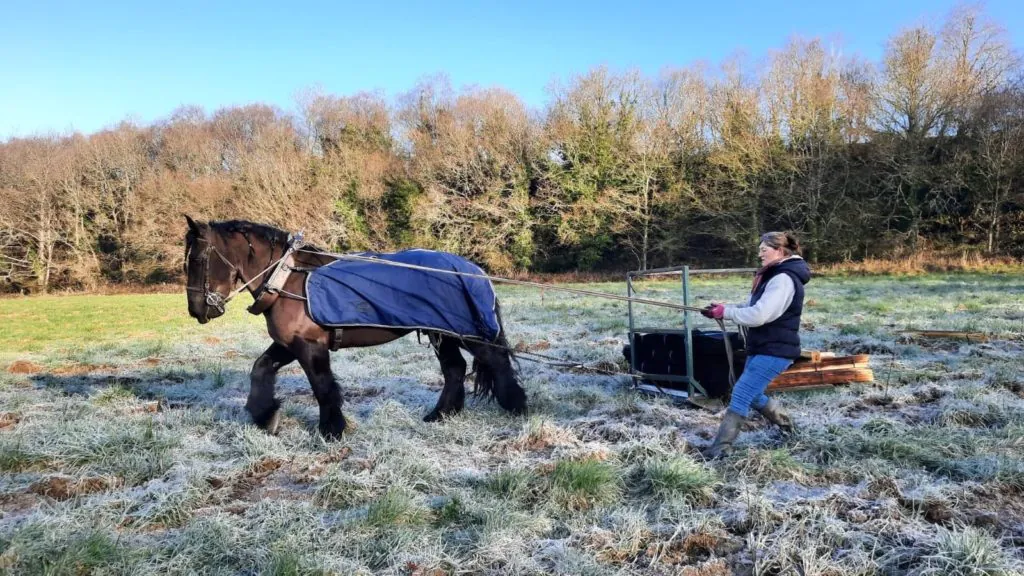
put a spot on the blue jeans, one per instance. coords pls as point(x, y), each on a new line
point(758, 373)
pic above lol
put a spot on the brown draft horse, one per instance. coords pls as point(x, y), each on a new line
point(219, 256)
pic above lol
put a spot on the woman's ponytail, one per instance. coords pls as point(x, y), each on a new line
point(792, 243)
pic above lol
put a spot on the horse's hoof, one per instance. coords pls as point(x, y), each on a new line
point(332, 435)
point(267, 417)
point(334, 429)
point(434, 416)
point(274, 423)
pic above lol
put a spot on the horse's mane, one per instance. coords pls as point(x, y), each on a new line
point(272, 235)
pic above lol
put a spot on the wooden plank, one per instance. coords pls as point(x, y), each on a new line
point(815, 355)
point(948, 334)
point(812, 355)
point(855, 361)
point(806, 388)
point(819, 367)
point(836, 376)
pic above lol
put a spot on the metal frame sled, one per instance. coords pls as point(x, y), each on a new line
point(684, 364)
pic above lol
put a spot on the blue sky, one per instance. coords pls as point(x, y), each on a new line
point(85, 66)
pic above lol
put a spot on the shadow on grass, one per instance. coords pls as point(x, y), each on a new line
point(224, 391)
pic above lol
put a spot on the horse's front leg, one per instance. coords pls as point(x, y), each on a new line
point(315, 359)
point(262, 405)
point(453, 367)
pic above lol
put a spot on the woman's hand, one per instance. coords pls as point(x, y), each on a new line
point(714, 311)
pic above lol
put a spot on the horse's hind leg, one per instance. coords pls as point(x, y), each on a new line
point(315, 359)
point(262, 405)
point(496, 375)
point(453, 367)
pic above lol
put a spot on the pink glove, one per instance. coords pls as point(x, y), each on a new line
point(715, 311)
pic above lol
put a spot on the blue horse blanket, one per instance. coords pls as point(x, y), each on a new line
point(351, 293)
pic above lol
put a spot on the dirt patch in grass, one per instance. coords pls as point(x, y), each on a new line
point(150, 407)
point(24, 367)
point(17, 503)
point(77, 369)
point(991, 504)
point(694, 548)
point(60, 487)
point(537, 346)
point(241, 485)
point(9, 420)
point(415, 569)
point(354, 393)
point(716, 567)
point(310, 472)
point(335, 456)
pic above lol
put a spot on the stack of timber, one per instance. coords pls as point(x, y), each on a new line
point(823, 369)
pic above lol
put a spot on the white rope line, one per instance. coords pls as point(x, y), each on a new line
point(236, 291)
point(540, 285)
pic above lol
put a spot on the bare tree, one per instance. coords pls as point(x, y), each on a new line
point(353, 151)
point(36, 228)
point(999, 158)
point(815, 107)
point(739, 160)
point(472, 154)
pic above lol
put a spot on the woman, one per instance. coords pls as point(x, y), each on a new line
point(772, 320)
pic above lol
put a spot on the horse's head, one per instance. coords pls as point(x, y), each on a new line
point(210, 275)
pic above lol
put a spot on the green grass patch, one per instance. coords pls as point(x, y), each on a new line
point(41, 549)
point(521, 485)
point(136, 449)
point(865, 327)
point(957, 453)
point(54, 322)
point(680, 477)
point(289, 562)
point(586, 483)
point(762, 466)
point(395, 507)
point(341, 489)
point(113, 395)
point(968, 552)
point(17, 456)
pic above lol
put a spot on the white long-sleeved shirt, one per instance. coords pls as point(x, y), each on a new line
point(778, 295)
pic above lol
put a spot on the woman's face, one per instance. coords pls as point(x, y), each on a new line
point(768, 255)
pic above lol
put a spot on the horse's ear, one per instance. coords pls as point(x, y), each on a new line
point(192, 224)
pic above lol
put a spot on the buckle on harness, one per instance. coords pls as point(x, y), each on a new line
point(269, 292)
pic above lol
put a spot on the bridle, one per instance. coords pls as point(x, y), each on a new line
point(213, 298)
point(265, 295)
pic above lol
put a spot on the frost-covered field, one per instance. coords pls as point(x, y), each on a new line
point(125, 449)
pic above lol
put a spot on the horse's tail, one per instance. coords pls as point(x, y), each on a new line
point(496, 374)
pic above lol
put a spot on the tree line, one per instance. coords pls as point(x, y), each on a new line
point(923, 150)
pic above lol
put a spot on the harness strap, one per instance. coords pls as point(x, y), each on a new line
point(267, 294)
point(270, 291)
